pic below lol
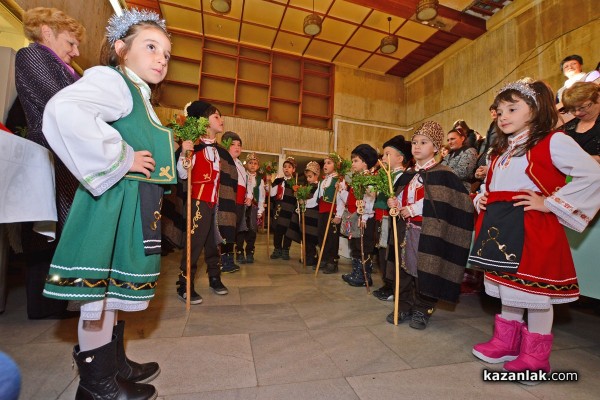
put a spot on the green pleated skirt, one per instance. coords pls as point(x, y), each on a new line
point(101, 253)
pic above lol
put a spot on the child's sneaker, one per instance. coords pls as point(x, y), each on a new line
point(419, 319)
point(195, 298)
point(217, 286)
point(402, 316)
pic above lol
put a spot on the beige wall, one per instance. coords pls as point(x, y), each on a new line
point(527, 38)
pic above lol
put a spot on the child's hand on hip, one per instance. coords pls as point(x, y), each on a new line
point(531, 201)
point(143, 163)
point(483, 201)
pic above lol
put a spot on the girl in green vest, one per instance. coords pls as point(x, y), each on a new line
point(105, 131)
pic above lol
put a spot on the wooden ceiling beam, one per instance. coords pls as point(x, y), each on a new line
point(149, 4)
point(467, 26)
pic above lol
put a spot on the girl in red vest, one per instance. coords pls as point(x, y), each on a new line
point(520, 239)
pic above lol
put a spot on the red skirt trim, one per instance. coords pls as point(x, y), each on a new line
point(546, 266)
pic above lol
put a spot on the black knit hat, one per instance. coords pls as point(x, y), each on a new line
point(399, 143)
point(366, 153)
point(231, 135)
point(199, 109)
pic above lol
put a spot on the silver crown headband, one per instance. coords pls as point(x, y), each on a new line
point(522, 88)
point(118, 25)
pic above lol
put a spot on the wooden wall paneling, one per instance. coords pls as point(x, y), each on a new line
point(177, 96)
point(351, 135)
point(368, 97)
point(186, 46)
point(236, 82)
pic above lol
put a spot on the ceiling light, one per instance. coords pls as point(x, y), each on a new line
point(389, 44)
point(312, 23)
point(221, 6)
point(427, 10)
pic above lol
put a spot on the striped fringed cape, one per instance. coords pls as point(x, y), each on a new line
point(287, 207)
point(311, 220)
point(446, 233)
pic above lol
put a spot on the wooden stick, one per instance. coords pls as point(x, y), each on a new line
point(303, 235)
point(188, 246)
point(326, 229)
point(393, 215)
point(362, 254)
point(268, 216)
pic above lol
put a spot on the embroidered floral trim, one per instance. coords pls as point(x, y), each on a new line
point(532, 284)
point(90, 178)
point(572, 210)
point(513, 143)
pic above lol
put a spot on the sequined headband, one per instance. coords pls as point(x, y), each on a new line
point(118, 25)
point(522, 88)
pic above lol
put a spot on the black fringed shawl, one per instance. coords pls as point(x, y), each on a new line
point(446, 231)
point(287, 206)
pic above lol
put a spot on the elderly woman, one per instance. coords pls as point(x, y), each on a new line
point(41, 70)
point(583, 101)
point(462, 158)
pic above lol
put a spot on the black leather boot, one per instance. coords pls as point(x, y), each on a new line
point(356, 271)
point(130, 370)
point(98, 378)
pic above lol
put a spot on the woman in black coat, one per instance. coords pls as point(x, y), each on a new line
point(41, 70)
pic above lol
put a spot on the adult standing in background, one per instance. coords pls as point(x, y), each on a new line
point(572, 67)
point(462, 159)
point(472, 137)
point(583, 101)
point(41, 70)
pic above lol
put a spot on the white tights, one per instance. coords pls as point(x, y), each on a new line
point(94, 334)
point(538, 321)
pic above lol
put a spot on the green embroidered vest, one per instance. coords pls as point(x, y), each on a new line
point(139, 130)
point(256, 192)
point(329, 191)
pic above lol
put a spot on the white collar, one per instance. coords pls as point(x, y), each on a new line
point(427, 165)
point(519, 138)
point(144, 88)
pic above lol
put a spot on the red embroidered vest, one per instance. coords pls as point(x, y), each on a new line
point(351, 201)
point(419, 195)
point(540, 170)
point(204, 178)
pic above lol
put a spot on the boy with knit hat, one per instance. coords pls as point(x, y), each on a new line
point(324, 195)
point(311, 217)
point(434, 230)
point(254, 204)
point(233, 143)
point(214, 182)
point(397, 153)
point(361, 222)
point(284, 203)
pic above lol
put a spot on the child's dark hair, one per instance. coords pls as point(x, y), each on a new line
point(544, 116)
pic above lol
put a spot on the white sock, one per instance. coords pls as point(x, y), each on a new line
point(540, 321)
point(512, 313)
point(94, 334)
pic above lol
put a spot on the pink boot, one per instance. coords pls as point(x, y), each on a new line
point(505, 344)
point(534, 355)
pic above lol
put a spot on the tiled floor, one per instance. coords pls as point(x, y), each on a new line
point(281, 333)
